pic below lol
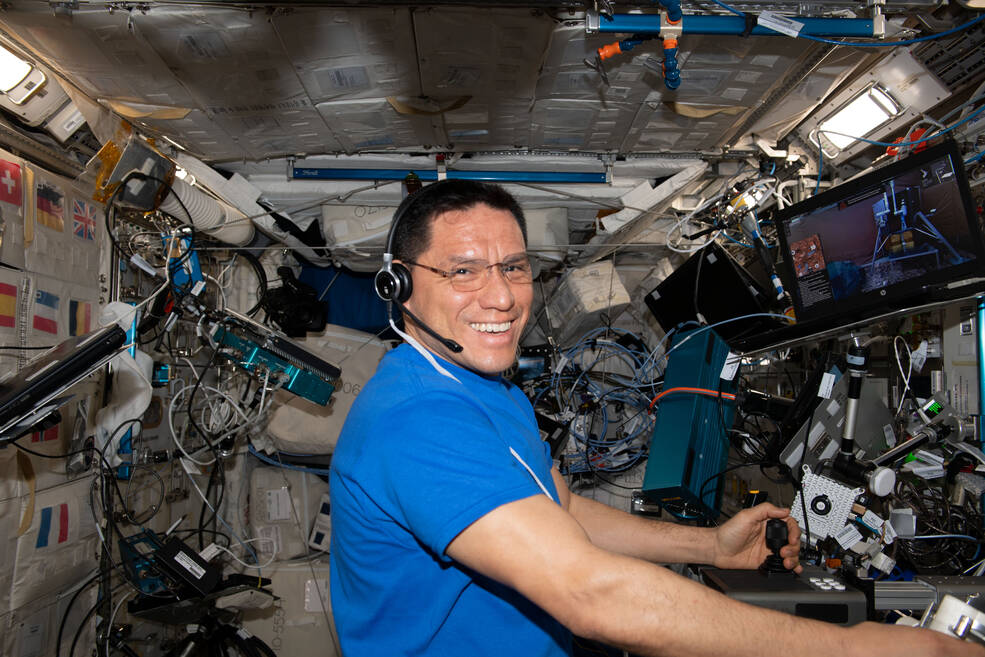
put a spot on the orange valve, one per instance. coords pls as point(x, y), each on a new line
point(610, 50)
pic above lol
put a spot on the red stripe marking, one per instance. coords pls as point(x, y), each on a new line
point(45, 324)
point(63, 524)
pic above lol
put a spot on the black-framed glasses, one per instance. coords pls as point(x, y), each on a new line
point(474, 274)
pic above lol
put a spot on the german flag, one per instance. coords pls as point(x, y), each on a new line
point(51, 207)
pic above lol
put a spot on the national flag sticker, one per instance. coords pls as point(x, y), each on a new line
point(50, 206)
point(84, 220)
point(8, 305)
point(46, 312)
point(79, 317)
point(54, 525)
point(11, 190)
point(49, 434)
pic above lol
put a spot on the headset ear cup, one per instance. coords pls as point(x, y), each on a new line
point(405, 284)
point(385, 284)
point(393, 283)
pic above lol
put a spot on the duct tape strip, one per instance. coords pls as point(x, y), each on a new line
point(26, 469)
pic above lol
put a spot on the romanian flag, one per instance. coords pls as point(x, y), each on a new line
point(79, 317)
point(8, 305)
point(54, 526)
point(46, 312)
point(50, 205)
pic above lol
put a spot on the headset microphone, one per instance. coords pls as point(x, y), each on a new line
point(453, 346)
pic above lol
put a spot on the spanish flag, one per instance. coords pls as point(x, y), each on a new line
point(79, 317)
point(8, 305)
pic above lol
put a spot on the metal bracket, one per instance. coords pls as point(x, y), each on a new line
point(768, 149)
point(592, 22)
point(878, 18)
point(670, 30)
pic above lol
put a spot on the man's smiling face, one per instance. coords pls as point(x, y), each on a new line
point(487, 322)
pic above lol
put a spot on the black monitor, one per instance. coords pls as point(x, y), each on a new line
point(712, 283)
point(898, 239)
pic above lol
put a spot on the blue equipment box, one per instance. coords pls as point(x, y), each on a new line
point(690, 441)
point(294, 368)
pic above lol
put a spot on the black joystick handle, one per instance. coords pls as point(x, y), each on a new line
point(777, 535)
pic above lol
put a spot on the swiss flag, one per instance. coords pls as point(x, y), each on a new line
point(10, 183)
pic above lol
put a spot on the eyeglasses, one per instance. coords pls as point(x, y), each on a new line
point(473, 275)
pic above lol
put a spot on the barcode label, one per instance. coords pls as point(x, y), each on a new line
point(848, 537)
point(780, 24)
point(197, 571)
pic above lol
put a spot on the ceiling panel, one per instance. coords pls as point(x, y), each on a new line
point(262, 83)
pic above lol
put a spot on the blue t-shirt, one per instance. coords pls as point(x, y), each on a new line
point(419, 459)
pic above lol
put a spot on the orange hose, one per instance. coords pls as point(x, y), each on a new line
point(696, 391)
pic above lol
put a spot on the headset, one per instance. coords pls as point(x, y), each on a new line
point(393, 281)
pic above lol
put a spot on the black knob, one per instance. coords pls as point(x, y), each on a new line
point(777, 535)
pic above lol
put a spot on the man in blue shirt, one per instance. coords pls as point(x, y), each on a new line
point(452, 532)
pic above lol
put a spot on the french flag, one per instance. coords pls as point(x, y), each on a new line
point(53, 530)
point(46, 312)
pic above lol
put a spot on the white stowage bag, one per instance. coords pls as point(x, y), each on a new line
point(303, 427)
point(283, 506)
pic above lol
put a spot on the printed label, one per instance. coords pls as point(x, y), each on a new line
point(872, 520)
point(271, 539)
point(731, 366)
point(780, 24)
point(827, 384)
point(316, 595)
point(278, 504)
point(887, 431)
point(848, 537)
point(197, 571)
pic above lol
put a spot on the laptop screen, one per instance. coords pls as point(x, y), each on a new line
point(895, 238)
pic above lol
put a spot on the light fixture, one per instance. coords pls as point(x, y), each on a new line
point(19, 79)
point(13, 70)
point(856, 118)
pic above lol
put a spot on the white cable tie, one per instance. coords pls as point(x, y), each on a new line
point(175, 525)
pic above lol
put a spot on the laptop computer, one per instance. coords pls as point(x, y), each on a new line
point(28, 396)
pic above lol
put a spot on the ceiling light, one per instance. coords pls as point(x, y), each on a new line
point(13, 70)
point(857, 118)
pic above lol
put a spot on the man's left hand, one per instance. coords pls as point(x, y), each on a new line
point(741, 542)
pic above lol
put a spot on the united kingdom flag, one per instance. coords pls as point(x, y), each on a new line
point(84, 220)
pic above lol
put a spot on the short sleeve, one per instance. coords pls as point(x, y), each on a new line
point(446, 465)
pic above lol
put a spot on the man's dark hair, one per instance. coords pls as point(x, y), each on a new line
point(417, 212)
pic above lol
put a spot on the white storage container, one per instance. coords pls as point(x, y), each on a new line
point(583, 297)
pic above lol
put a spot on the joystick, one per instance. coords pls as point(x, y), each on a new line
point(777, 535)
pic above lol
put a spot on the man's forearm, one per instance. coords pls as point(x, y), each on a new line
point(643, 538)
point(649, 611)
